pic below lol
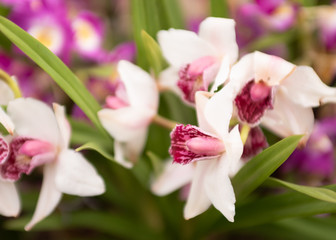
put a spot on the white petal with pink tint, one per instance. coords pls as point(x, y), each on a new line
point(63, 124)
point(220, 32)
point(10, 204)
point(288, 118)
point(181, 47)
point(201, 99)
point(218, 187)
point(223, 74)
point(6, 93)
point(271, 69)
point(123, 122)
point(33, 118)
point(6, 121)
point(174, 176)
point(168, 80)
point(49, 196)
point(218, 111)
point(119, 155)
point(304, 87)
point(198, 201)
point(76, 176)
point(140, 86)
point(242, 72)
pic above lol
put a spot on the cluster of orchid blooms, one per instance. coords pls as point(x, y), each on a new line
point(233, 98)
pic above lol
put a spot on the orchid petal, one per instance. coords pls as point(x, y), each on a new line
point(6, 93)
point(234, 149)
point(197, 201)
point(119, 155)
point(181, 47)
point(304, 87)
point(49, 196)
point(220, 32)
point(201, 100)
point(63, 124)
point(6, 122)
point(242, 72)
point(218, 111)
point(168, 79)
point(288, 118)
point(34, 119)
point(271, 69)
point(222, 75)
point(218, 187)
point(76, 176)
point(10, 204)
point(174, 176)
point(123, 123)
point(130, 149)
point(140, 86)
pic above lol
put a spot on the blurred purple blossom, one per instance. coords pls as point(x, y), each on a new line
point(316, 161)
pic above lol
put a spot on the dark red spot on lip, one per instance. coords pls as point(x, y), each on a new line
point(252, 108)
point(15, 166)
point(179, 150)
point(4, 150)
point(255, 143)
point(189, 84)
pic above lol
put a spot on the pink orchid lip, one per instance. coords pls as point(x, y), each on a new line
point(189, 143)
point(191, 77)
point(253, 100)
point(34, 147)
point(4, 150)
point(24, 156)
point(114, 102)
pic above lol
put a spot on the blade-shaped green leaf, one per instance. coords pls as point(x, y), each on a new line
point(50, 63)
point(174, 15)
point(258, 169)
point(276, 207)
point(315, 192)
point(105, 151)
point(109, 223)
point(139, 23)
point(153, 53)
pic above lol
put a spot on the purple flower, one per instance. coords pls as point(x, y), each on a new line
point(316, 161)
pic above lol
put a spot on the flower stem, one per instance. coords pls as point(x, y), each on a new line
point(12, 83)
point(164, 122)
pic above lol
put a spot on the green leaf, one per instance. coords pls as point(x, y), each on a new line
point(104, 150)
point(139, 23)
point(112, 223)
point(219, 8)
point(312, 228)
point(50, 63)
point(258, 169)
point(272, 208)
point(174, 15)
point(153, 53)
point(315, 192)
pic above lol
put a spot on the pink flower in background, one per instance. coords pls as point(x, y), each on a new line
point(277, 93)
point(208, 154)
point(129, 112)
point(315, 163)
point(49, 24)
point(198, 60)
point(326, 23)
point(89, 33)
point(42, 138)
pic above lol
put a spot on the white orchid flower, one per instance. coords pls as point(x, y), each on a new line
point(130, 112)
point(277, 93)
point(6, 95)
point(10, 205)
point(208, 154)
point(198, 60)
point(43, 139)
